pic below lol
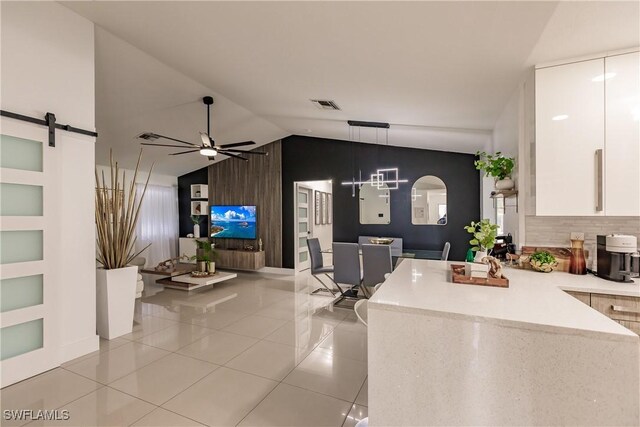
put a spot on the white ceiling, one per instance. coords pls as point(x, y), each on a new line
point(439, 72)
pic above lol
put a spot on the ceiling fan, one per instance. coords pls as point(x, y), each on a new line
point(208, 147)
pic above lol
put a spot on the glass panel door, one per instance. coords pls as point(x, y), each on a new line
point(303, 227)
point(27, 204)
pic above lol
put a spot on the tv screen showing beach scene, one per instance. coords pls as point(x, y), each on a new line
point(233, 222)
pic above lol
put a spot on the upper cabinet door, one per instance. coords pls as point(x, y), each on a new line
point(622, 142)
point(570, 139)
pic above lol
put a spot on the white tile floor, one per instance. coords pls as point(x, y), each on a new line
point(254, 351)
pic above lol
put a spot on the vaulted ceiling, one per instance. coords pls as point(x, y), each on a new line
point(439, 72)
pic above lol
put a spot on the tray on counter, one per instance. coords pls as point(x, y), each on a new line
point(457, 276)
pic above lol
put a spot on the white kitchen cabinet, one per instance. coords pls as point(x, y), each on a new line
point(622, 137)
point(569, 134)
point(588, 137)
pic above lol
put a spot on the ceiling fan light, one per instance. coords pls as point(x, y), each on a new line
point(209, 152)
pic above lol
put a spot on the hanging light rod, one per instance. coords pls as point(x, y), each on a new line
point(358, 123)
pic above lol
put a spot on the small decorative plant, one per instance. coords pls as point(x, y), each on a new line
point(205, 253)
point(484, 235)
point(495, 165)
point(543, 261)
point(195, 219)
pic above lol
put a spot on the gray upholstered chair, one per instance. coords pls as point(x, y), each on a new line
point(445, 251)
point(376, 260)
point(317, 265)
point(346, 269)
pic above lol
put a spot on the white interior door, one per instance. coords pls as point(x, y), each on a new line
point(303, 226)
point(28, 247)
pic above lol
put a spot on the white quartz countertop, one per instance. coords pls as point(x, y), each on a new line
point(533, 300)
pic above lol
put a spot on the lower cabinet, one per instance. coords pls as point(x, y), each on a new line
point(240, 260)
point(623, 309)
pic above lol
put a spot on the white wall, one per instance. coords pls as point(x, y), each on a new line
point(156, 178)
point(48, 66)
point(512, 136)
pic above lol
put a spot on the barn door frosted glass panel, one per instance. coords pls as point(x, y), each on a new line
point(21, 338)
point(20, 200)
point(20, 292)
point(20, 153)
point(20, 246)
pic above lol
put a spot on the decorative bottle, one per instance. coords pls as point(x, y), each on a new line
point(578, 265)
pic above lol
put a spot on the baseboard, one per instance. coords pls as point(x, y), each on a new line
point(79, 348)
point(278, 270)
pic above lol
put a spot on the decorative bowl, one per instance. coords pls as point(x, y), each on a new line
point(381, 241)
point(543, 267)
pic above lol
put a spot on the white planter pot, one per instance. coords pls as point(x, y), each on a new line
point(505, 184)
point(115, 300)
point(196, 231)
point(212, 267)
point(479, 256)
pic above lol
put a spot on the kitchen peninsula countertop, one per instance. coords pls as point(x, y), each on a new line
point(533, 298)
point(442, 353)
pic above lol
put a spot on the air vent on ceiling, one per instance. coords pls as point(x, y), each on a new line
point(324, 104)
point(148, 136)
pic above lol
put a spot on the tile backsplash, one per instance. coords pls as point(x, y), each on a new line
point(555, 231)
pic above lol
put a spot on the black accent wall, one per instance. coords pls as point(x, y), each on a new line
point(307, 159)
point(199, 176)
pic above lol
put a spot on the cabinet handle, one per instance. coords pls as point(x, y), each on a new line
point(623, 309)
point(599, 179)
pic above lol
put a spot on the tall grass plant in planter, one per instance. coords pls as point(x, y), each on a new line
point(117, 211)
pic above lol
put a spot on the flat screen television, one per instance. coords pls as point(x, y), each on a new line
point(233, 222)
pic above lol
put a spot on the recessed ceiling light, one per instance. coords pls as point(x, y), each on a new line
point(560, 117)
point(603, 77)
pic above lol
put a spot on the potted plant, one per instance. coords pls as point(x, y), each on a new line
point(484, 237)
point(195, 219)
point(205, 256)
point(497, 166)
point(116, 218)
point(543, 261)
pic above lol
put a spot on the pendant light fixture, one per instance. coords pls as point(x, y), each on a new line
point(382, 176)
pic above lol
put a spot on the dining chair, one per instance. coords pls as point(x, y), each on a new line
point(317, 265)
point(376, 260)
point(445, 251)
point(346, 269)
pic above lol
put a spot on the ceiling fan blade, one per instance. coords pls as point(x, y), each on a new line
point(206, 140)
point(236, 156)
point(163, 145)
point(183, 152)
point(176, 140)
point(237, 144)
point(261, 153)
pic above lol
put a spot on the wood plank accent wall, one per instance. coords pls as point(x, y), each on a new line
point(256, 182)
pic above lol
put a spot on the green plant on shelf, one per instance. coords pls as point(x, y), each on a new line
point(195, 219)
point(484, 235)
point(495, 165)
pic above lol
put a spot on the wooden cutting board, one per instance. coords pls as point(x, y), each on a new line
point(563, 255)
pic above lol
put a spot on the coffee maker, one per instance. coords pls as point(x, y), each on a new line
point(614, 257)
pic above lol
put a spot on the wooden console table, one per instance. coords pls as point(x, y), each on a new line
point(240, 259)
